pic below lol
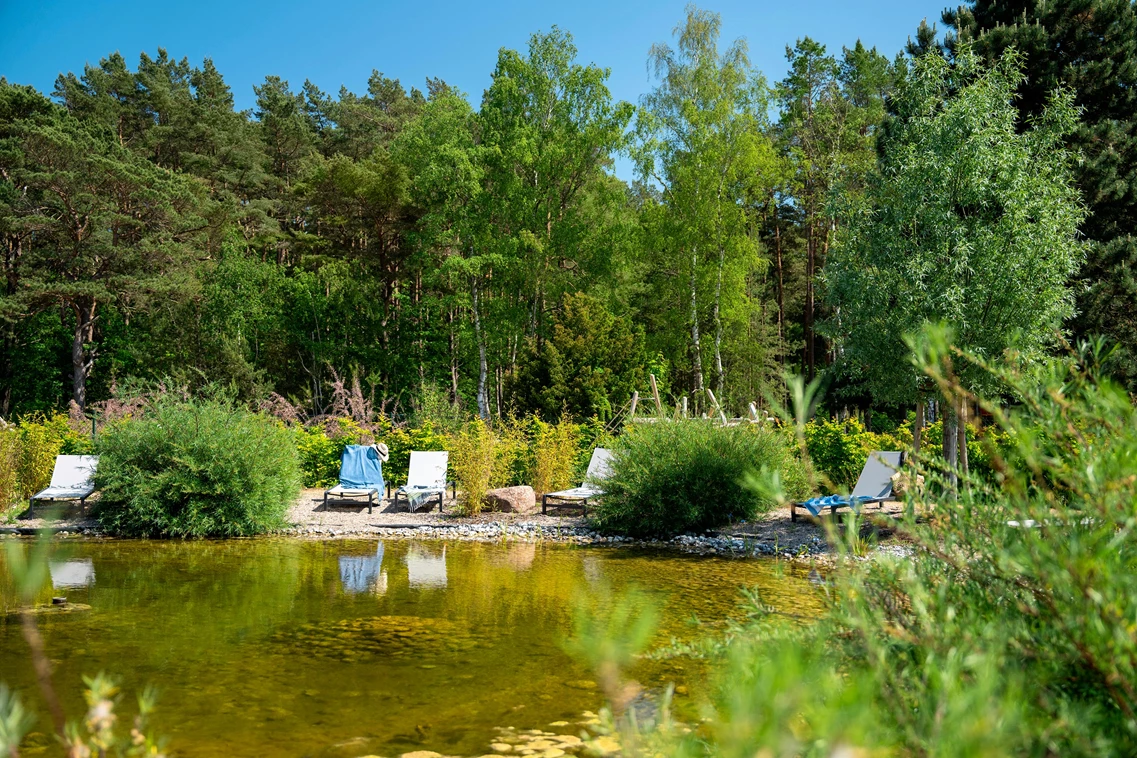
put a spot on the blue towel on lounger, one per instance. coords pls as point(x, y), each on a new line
point(361, 469)
point(816, 505)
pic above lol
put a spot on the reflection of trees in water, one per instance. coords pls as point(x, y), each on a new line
point(363, 573)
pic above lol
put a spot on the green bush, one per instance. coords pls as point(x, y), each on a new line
point(319, 449)
point(196, 469)
point(674, 477)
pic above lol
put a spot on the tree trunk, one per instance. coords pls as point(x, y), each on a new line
point(480, 337)
point(82, 351)
point(720, 377)
point(918, 425)
point(696, 350)
point(453, 339)
point(781, 278)
point(810, 262)
point(961, 444)
point(951, 443)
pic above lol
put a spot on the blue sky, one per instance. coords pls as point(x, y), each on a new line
point(338, 43)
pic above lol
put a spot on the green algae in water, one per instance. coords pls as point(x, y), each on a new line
point(349, 648)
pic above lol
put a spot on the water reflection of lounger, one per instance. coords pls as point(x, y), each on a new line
point(75, 573)
point(363, 573)
point(424, 569)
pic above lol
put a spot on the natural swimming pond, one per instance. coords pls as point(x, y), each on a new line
point(349, 648)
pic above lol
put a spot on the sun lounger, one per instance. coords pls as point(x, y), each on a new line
point(873, 486)
point(361, 475)
point(426, 478)
point(597, 470)
point(71, 479)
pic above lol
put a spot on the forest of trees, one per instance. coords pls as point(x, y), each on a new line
point(428, 247)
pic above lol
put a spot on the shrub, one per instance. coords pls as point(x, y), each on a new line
point(320, 446)
point(669, 478)
point(402, 440)
point(588, 365)
point(9, 464)
point(985, 638)
point(319, 455)
point(196, 469)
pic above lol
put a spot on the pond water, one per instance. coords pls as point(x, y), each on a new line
point(347, 648)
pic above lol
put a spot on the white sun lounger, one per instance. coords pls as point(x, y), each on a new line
point(598, 468)
point(426, 477)
point(71, 479)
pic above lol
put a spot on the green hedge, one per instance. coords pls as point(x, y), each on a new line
point(196, 469)
point(670, 478)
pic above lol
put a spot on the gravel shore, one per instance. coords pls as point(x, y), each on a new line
point(772, 534)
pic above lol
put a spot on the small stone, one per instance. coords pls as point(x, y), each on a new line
point(501, 747)
point(421, 754)
point(559, 724)
point(568, 739)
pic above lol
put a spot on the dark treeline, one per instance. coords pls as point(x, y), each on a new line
point(428, 248)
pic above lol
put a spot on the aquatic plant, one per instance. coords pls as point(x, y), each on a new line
point(98, 733)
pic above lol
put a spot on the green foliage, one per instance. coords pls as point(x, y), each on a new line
point(196, 469)
point(588, 366)
point(473, 459)
point(968, 220)
point(15, 722)
point(402, 440)
point(555, 449)
point(989, 638)
point(319, 455)
point(673, 477)
point(1091, 49)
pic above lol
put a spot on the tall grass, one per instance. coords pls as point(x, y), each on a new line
point(472, 457)
point(990, 638)
point(554, 448)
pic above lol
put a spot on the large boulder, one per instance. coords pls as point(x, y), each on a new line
point(512, 500)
